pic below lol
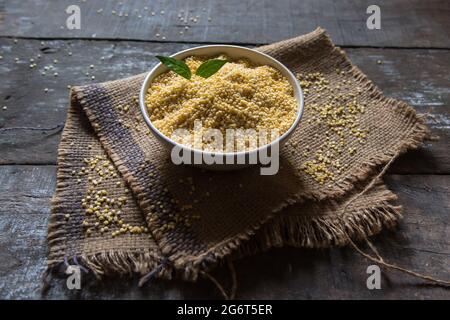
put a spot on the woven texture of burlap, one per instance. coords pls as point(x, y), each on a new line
point(179, 220)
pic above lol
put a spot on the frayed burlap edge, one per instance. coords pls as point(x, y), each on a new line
point(275, 231)
point(105, 263)
point(332, 228)
point(304, 231)
point(411, 140)
point(326, 231)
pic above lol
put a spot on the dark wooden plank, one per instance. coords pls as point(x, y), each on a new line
point(26, 189)
point(28, 104)
point(418, 77)
point(404, 23)
point(421, 243)
point(22, 90)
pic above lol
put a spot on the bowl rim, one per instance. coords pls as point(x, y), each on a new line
point(278, 140)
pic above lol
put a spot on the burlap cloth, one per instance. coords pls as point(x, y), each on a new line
point(181, 220)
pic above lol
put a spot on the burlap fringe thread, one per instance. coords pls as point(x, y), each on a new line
point(328, 230)
point(305, 232)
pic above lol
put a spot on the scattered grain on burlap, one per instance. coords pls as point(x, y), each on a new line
point(190, 219)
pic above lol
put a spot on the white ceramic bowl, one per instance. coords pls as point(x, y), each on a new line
point(233, 52)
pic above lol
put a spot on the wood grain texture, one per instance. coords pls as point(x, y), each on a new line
point(421, 243)
point(402, 75)
point(417, 76)
point(404, 23)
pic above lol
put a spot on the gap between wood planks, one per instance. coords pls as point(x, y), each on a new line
point(167, 43)
point(206, 42)
point(50, 164)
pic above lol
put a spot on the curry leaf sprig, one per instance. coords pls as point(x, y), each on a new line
point(205, 70)
point(176, 66)
point(208, 68)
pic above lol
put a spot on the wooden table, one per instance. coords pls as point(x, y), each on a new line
point(412, 45)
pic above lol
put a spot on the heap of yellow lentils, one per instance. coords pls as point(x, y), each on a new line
point(339, 112)
point(240, 95)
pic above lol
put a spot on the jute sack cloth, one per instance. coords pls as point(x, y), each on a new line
point(189, 219)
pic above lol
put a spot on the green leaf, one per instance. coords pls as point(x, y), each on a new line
point(176, 66)
point(208, 68)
